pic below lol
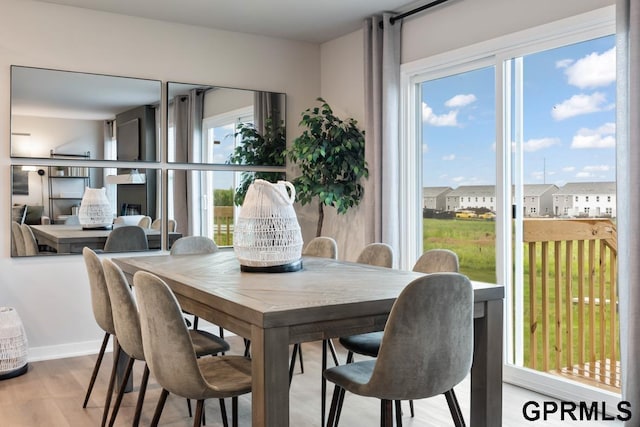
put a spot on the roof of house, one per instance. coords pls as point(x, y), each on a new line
point(573, 188)
point(474, 190)
point(435, 191)
point(538, 189)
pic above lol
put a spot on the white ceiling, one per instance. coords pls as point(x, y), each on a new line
point(314, 21)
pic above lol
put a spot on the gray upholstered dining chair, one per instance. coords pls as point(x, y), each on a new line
point(17, 241)
point(29, 240)
point(191, 245)
point(379, 254)
point(101, 306)
point(173, 363)
point(145, 222)
point(433, 314)
point(156, 224)
point(436, 261)
point(127, 238)
point(127, 328)
point(431, 261)
point(322, 246)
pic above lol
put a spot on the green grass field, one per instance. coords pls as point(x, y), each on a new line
point(474, 240)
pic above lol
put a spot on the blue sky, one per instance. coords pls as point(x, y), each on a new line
point(569, 120)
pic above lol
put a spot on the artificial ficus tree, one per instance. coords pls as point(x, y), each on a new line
point(330, 156)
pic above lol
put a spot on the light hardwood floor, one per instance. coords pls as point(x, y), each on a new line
point(51, 394)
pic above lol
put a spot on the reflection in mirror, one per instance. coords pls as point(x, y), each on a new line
point(213, 214)
point(63, 112)
point(207, 123)
point(46, 204)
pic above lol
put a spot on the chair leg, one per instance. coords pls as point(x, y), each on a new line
point(332, 420)
point(454, 408)
point(141, 393)
point(300, 358)
point(413, 414)
point(340, 403)
point(292, 364)
point(197, 419)
point(223, 413)
point(386, 413)
point(247, 348)
point(112, 380)
point(333, 352)
point(159, 407)
point(350, 357)
point(398, 410)
point(234, 411)
point(123, 386)
point(195, 322)
point(96, 368)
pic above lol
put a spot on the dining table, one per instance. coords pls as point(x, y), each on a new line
point(67, 239)
point(325, 299)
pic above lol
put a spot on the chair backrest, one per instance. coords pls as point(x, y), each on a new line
point(165, 338)
point(172, 224)
point(124, 310)
point(100, 302)
point(191, 245)
point(30, 242)
point(379, 254)
point(126, 238)
point(18, 239)
point(156, 224)
point(427, 346)
point(324, 247)
point(437, 261)
point(145, 222)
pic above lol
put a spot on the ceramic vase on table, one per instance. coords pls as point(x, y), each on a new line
point(95, 210)
point(267, 235)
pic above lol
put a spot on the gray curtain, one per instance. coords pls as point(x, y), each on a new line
point(382, 112)
point(265, 105)
point(628, 198)
point(187, 117)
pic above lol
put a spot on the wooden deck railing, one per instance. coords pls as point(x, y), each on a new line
point(223, 223)
point(572, 313)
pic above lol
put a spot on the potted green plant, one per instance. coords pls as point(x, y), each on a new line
point(330, 155)
point(255, 148)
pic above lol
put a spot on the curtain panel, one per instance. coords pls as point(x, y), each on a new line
point(382, 132)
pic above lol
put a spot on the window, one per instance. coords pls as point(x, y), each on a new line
point(597, 198)
point(542, 136)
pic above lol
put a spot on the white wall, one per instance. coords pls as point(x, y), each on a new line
point(51, 294)
point(453, 25)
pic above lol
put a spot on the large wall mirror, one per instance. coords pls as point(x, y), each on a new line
point(213, 211)
point(207, 123)
point(46, 203)
point(94, 116)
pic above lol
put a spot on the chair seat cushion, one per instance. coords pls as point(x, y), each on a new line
point(205, 343)
point(228, 376)
point(352, 377)
point(366, 344)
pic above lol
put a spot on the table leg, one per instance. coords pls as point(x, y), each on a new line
point(270, 377)
point(486, 372)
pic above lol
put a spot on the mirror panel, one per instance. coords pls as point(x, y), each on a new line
point(206, 123)
point(70, 113)
point(212, 215)
point(47, 199)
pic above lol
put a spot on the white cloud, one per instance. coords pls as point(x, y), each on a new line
point(568, 169)
point(593, 70)
point(602, 137)
point(583, 175)
point(461, 100)
point(458, 179)
point(449, 157)
point(539, 144)
point(581, 104)
point(447, 119)
point(596, 168)
point(564, 63)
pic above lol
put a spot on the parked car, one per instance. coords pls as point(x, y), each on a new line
point(487, 215)
point(466, 214)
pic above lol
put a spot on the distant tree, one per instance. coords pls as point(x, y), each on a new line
point(223, 197)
